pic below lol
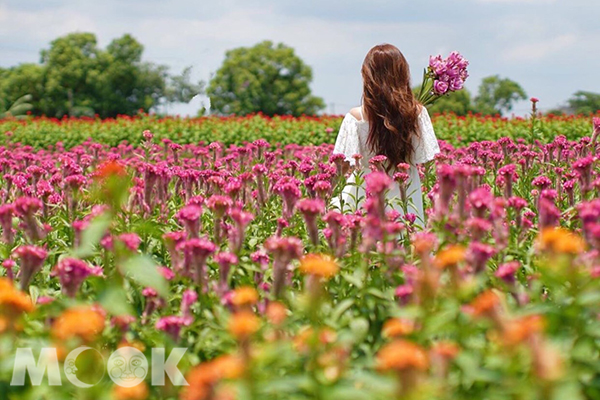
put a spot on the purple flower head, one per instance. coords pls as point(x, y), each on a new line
point(440, 87)
point(478, 254)
point(31, 261)
point(72, 272)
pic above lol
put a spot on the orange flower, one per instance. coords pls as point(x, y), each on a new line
point(276, 313)
point(13, 303)
point(244, 295)
point(109, 169)
point(485, 303)
point(398, 327)
point(402, 355)
point(243, 324)
point(520, 329)
point(319, 265)
point(560, 240)
point(446, 350)
point(450, 256)
point(203, 377)
point(137, 392)
point(301, 341)
point(83, 322)
point(228, 367)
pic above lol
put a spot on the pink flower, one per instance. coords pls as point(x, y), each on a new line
point(225, 261)
point(31, 261)
point(6, 215)
point(534, 100)
point(311, 209)
point(172, 325)
point(507, 271)
point(196, 253)
point(190, 216)
point(188, 299)
point(72, 272)
point(440, 87)
point(284, 250)
point(130, 240)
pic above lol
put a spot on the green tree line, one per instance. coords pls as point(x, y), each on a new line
point(75, 77)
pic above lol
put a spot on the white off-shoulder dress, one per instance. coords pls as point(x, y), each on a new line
point(352, 139)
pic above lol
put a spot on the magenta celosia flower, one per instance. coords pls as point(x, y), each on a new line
point(478, 255)
point(241, 220)
point(167, 273)
point(9, 264)
point(6, 215)
point(284, 250)
point(196, 253)
point(188, 299)
point(122, 322)
point(310, 210)
point(507, 272)
point(225, 261)
point(44, 300)
point(480, 200)
point(219, 205)
point(72, 272)
point(404, 293)
point(131, 241)
point(172, 325)
point(26, 208)
point(190, 217)
point(31, 261)
point(288, 188)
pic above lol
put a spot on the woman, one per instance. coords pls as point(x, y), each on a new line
point(390, 123)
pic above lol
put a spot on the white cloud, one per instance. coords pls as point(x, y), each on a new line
point(539, 50)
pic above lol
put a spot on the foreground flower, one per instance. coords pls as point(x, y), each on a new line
point(450, 256)
point(137, 392)
point(82, 322)
point(203, 378)
point(13, 303)
point(397, 327)
point(243, 324)
point(402, 355)
point(244, 296)
point(561, 241)
point(318, 265)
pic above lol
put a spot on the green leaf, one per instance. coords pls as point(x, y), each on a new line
point(143, 270)
point(92, 236)
point(114, 300)
point(341, 308)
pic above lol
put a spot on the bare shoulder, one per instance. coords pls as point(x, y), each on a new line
point(355, 112)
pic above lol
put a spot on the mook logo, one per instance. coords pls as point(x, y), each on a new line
point(127, 367)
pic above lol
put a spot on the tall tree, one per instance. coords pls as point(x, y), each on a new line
point(497, 95)
point(76, 77)
point(268, 78)
point(583, 102)
point(458, 102)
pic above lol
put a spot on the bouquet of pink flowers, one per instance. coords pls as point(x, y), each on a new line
point(443, 76)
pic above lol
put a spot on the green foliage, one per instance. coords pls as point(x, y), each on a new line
point(457, 130)
point(498, 95)
point(583, 102)
point(17, 109)
point(264, 78)
point(77, 78)
point(458, 103)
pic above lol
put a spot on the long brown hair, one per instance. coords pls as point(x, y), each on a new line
point(390, 105)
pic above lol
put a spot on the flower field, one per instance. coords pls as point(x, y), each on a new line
point(234, 253)
point(43, 132)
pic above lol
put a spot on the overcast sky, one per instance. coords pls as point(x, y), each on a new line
point(551, 47)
